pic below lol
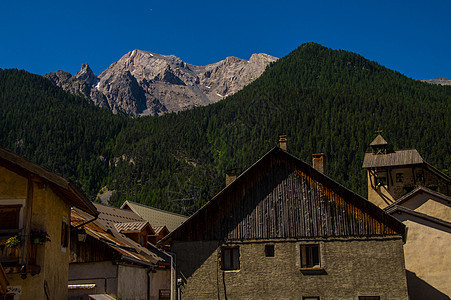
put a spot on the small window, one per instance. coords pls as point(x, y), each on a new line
point(230, 258)
point(433, 187)
point(310, 298)
point(269, 250)
point(310, 257)
point(369, 297)
point(10, 216)
point(64, 234)
point(399, 177)
point(382, 180)
point(420, 177)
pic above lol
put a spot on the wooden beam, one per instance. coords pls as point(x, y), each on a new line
point(27, 223)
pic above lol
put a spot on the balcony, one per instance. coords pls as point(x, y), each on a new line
point(12, 258)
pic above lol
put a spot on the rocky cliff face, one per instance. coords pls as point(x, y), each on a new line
point(145, 83)
point(442, 81)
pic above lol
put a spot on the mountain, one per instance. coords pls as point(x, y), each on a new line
point(442, 81)
point(145, 83)
point(324, 100)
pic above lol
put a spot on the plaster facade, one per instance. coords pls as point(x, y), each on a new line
point(48, 211)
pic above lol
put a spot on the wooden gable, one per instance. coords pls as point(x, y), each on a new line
point(282, 197)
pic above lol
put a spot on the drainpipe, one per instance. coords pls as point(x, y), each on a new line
point(173, 263)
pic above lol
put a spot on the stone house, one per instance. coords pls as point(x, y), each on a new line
point(417, 194)
point(113, 257)
point(34, 202)
point(284, 230)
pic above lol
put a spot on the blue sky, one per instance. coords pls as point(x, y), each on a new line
point(412, 37)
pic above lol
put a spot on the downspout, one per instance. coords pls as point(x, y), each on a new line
point(173, 261)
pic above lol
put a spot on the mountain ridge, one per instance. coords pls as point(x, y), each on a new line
point(145, 83)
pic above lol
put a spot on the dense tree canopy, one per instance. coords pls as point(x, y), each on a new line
point(324, 100)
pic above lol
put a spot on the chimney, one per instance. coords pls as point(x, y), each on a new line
point(283, 142)
point(319, 162)
point(231, 175)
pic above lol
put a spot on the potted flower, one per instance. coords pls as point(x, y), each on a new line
point(39, 237)
point(12, 245)
point(13, 242)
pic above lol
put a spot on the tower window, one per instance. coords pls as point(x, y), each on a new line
point(399, 177)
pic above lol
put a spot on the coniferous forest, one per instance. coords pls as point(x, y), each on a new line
point(324, 100)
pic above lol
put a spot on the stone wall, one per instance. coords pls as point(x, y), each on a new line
point(349, 268)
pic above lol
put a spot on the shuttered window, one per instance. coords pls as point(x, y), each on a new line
point(230, 258)
point(310, 256)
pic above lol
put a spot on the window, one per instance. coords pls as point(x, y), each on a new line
point(10, 216)
point(230, 258)
point(64, 234)
point(310, 257)
point(420, 177)
point(381, 180)
point(369, 297)
point(310, 298)
point(399, 177)
point(269, 250)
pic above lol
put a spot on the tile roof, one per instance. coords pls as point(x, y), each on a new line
point(131, 226)
point(155, 216)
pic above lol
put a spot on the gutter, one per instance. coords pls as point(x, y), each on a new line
point(82, 224)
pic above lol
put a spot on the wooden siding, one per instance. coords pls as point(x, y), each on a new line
point(282, 197)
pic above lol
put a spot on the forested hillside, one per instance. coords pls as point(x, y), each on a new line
point(325, 101)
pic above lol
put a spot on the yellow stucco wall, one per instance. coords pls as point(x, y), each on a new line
point(427, 255)
point(47, 214)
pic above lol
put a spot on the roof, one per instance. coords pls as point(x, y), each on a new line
point(160, 229)
point(129, 249)
point(394, 210)
point(109, 216)
point(365, 217)
point(415, 192)
point(397, 158)
point(379, 141)
point(131, 226)
point(65, 188)
point(155, 216)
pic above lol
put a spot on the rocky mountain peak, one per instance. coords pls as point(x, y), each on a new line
point(146, 83)
point(86, 75)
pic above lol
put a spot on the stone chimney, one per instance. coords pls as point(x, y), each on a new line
point(231, 175)
point(283, 142)
point(319, 162)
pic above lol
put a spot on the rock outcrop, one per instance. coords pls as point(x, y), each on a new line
point(145, 83)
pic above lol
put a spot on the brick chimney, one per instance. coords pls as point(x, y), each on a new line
point(319, 162)
point(231, 175)
point(283, 142)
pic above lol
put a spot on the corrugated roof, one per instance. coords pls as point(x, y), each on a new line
point(155, 216)
point(61, 185)
point(159, 229)
point(397, 158)
point(379, 141)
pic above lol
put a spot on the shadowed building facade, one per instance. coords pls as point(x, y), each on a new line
point(284, 230)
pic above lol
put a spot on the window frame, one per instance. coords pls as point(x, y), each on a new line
point(65, 234)
point(311, 263)
point(234, 252)
point(15, 202)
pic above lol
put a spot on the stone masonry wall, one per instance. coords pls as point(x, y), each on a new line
point(350, 268)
